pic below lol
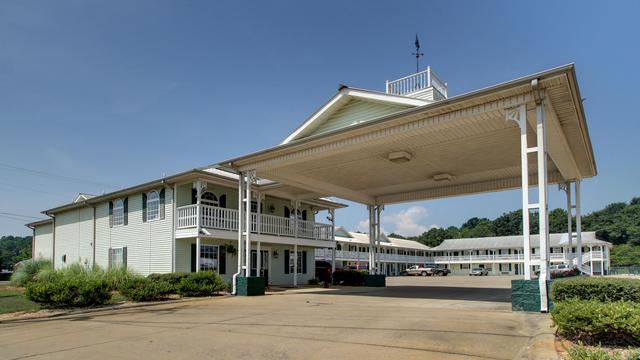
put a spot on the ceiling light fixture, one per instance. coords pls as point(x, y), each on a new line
point(400, 157)
point(442, 177)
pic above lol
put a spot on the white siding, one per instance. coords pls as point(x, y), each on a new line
point(357, 111)
point(43, 242)
point(149, 244)
point(74, 237)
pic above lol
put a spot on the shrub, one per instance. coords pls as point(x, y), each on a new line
point(204, 283)
point(28, 269)
point(580, 352)
point(596, 288)
point(73, 286)
point(349, 277)
point(173, 279)
point(314, 281)
point(593, 322)
point(145, 289)
point(117, 277)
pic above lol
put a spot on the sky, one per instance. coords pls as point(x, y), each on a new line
point(100, 95)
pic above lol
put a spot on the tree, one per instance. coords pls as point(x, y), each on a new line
point(397, 236)
point(14, 249)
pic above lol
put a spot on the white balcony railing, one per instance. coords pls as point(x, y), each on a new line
point(415, 259)
point(416, 82)
point(227, 219)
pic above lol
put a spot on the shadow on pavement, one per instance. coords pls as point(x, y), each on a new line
point(426, 292)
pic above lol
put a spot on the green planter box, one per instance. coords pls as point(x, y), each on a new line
point(250, 286)
point(525, 295)
point(375, 280)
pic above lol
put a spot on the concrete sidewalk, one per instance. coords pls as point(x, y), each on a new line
point(401, 321)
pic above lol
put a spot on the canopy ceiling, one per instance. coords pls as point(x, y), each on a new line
point(464, 140)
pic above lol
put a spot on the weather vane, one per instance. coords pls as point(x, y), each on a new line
point(417, 54)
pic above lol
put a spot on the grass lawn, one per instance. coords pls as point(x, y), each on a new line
point(13, 300)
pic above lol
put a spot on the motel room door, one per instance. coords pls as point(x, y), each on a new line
point(264, 266)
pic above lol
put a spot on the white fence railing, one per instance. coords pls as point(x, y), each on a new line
point(364, 256)
point(416, 82)
point(227, 219)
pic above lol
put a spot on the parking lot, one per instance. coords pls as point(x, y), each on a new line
point(453, 317)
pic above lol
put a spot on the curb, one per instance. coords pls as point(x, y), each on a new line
point(108, 308)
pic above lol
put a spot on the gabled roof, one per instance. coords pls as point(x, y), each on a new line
point(515, 241)
point(342, 235)
point(346, 105)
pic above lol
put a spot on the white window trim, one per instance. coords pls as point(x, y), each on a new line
point(156, 200)
point(215, 202)
point(117, 208)
point(217, 258)
point(122, 264)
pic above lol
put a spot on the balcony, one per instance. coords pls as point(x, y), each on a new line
point(227, 219)
point(465, 259)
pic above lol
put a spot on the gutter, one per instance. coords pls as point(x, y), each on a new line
point(522, 81)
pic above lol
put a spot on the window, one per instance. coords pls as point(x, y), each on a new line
point(118, 257)
point(289, 262)
point(153, 206)
point(301, 270)
point(210, 199)
point(208, 257)
point(118, 212)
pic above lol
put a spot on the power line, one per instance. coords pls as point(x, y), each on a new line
point(55, 176)
point(19, 215)
point(28, 189)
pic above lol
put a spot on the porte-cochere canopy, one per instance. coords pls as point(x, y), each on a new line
point(432, 149)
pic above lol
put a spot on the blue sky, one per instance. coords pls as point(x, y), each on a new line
point(96, 95)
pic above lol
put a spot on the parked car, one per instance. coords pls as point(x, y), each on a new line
point(440, 271)
point(417, 270)
point(559, 270)
point(479, 272)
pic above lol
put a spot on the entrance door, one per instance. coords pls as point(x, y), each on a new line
point(264, 266)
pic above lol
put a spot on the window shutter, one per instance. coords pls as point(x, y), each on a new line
point(124, 257)
point(304, 262)
point(144, 207)
point(223, 201)
point(286, 260)
point(222, 262)
point(110, 213)
point(287, 213)
point(304, 215)
point(162, 202)
point(110, 257)
point(193, 257)
point(125, 204)
point(194, 196)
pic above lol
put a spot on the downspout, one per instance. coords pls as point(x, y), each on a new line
point(93, 244)
point(53, 242)
point(234, 279)
point(33, 243)
point(173, 231)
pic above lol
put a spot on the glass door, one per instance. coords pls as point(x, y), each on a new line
point(264, 266)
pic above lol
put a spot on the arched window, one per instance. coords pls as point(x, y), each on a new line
point(118, 212)
point(209, 198)
point(153, 206)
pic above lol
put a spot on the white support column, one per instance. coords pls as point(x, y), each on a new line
point(542, 200)
point(519, 115)
point(602, 260)
point(332, 214)
point(371, 239)
point(379, 263)
point(569, 222)
point(198, 185)
point(295, 265)
point(241, 226)
point(250, 176)
point(578, 224)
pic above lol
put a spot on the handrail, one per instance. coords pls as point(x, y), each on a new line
point(416, 82)
point(227, 219)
